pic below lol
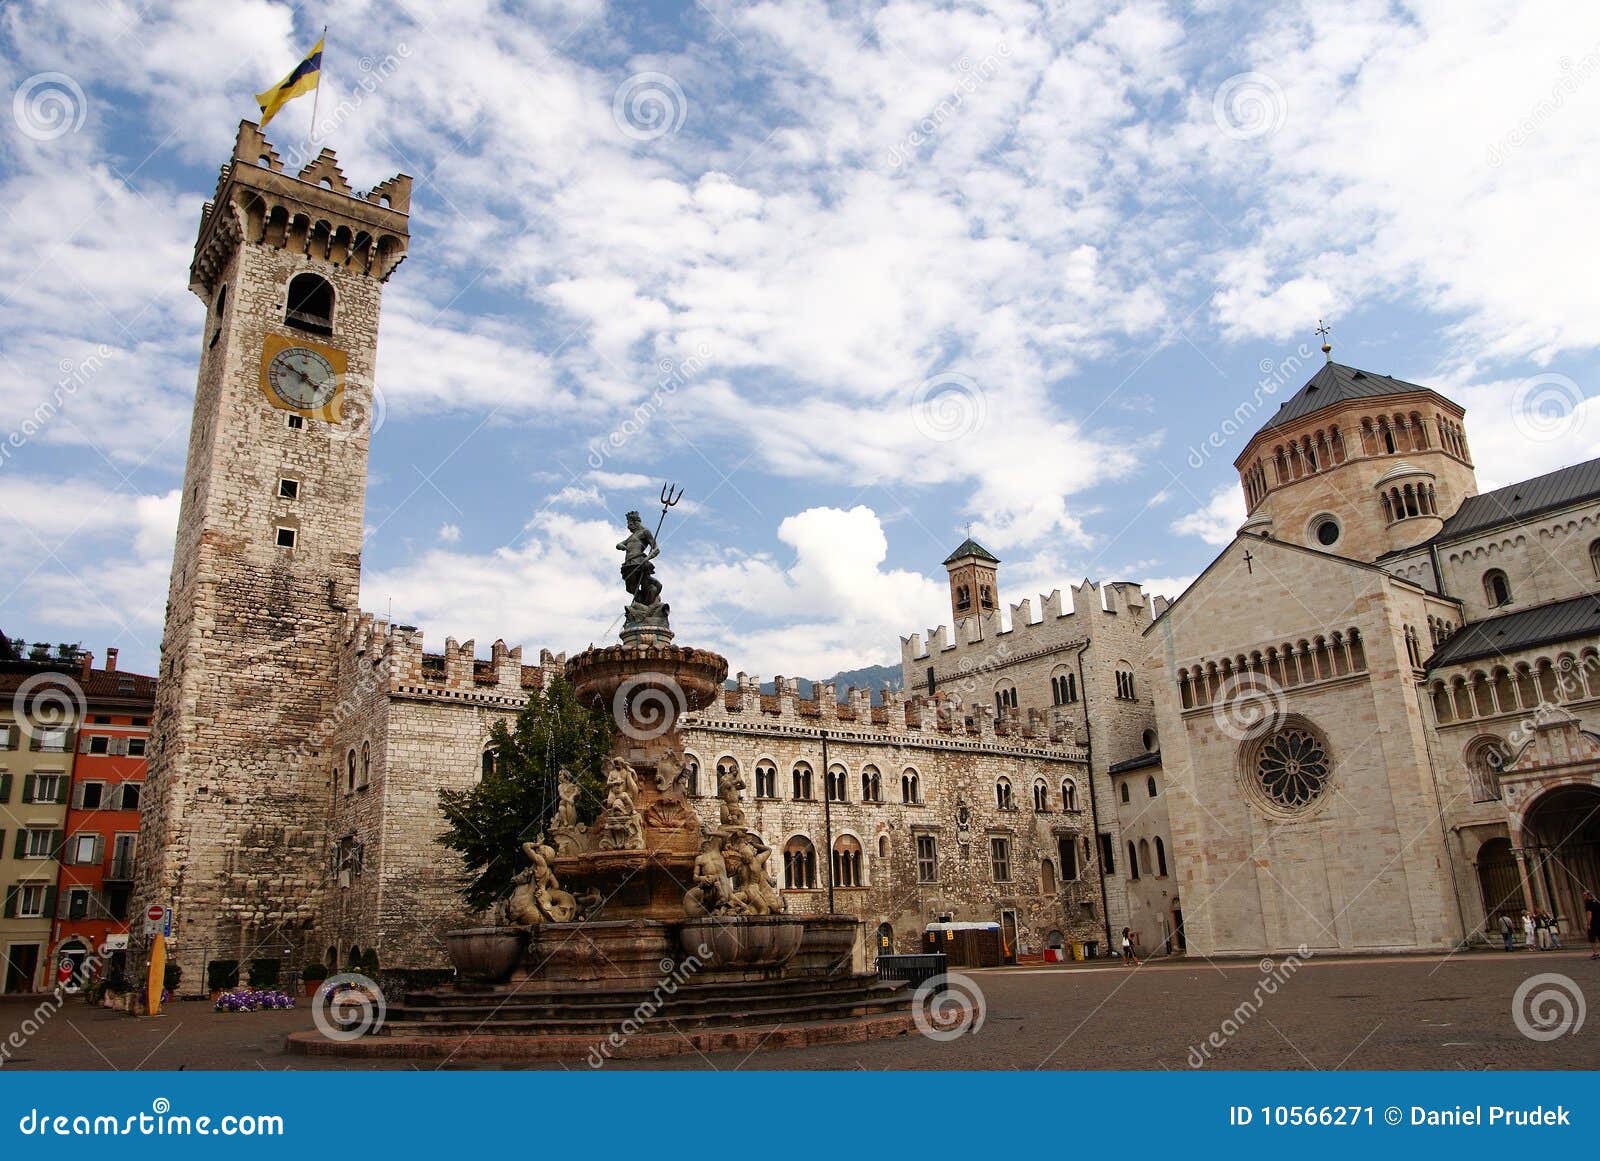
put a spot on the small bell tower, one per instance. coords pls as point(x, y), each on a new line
point(974, 590)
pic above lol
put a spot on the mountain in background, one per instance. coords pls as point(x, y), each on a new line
point(873, 677)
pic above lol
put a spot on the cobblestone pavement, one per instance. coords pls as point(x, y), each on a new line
point(1398, 1012)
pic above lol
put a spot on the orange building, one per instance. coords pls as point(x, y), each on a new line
point(93, 910)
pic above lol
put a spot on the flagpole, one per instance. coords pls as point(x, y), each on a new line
point(316, 93)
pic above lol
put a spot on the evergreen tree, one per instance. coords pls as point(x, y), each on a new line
point(516, 799)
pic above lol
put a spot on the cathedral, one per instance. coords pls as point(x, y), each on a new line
point(1369, 725)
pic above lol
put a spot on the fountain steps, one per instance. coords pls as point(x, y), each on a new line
point(595, 994)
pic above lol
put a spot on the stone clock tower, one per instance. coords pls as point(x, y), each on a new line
point(268, 557)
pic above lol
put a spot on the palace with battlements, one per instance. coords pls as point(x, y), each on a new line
point(1370, 724)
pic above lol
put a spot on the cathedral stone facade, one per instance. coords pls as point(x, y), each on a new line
point(1368, 725)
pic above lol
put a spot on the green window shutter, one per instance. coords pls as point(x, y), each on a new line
point(5, 788)
point(21, 850)
point(58, 839)
point(2, 838)
point(49, 901)
point(27, 788)
point(71, 743)
point(8, 737)
point(33, 739)
point(11, 901)
point(61, 793)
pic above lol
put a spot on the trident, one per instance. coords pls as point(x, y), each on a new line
point(670, 495)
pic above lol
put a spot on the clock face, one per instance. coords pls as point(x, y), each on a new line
point(302, 379)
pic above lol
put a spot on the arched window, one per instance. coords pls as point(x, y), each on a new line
point(1005, 697)
point(1144, 856)
point(1485, 758)
point(837, 784)
point(1041, 795)
point(963, 598)
point(691, 774)
point(766, 780)
point(1124, 792)
point(1133, 861)
point(1047, 876)
point(910, 786)
point(1002, 793)
point(1161, 857)
point(1496, 589)
point(310, 304)
point(1069, 795)
point(1594, 557)
point(1125, 681)
point(366, 767)
point(847, 862)
point(871, 784)
point(800, 782)
point(350, 770)
point(799, 864)
point(883, 846)
point(1150, 785)
point(1064, 688)
point(986, 596)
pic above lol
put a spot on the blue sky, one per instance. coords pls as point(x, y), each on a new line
point(904, 268)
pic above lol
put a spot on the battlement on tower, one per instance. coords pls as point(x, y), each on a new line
point(1122, 602)
point(314, 212)
point(395, 654)
point(912, 716)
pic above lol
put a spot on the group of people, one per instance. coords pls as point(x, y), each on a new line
point(1541, 931)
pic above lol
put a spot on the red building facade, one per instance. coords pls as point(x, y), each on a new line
point(93, 910)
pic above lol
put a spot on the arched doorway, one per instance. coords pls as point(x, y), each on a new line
point(885, 939)
point(1500, 883)
point(1562, 833)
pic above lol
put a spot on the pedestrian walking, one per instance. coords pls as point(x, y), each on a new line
point(1553, 926)
point(1591, 921)
point(1529, 929)
point(1507, 931)
point(1541, 928)
point(1127, 948)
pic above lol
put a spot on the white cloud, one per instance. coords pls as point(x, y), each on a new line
point(449, 534)
point(1218, 521)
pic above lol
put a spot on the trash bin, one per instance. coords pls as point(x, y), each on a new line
point(1077, 950)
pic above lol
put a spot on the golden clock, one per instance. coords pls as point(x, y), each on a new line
point(303, 377)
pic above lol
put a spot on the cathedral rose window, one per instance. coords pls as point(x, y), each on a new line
point(1292, 767)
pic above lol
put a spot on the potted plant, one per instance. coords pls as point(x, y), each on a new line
point(312, 976)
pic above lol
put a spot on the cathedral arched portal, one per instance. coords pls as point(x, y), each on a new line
point(1561, 835)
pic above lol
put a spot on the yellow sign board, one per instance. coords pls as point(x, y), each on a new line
point(158, 975)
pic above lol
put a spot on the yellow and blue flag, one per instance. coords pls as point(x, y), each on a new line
point(304, 77)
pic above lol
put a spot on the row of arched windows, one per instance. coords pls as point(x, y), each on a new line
point(802, 788)
point(1518, 689)
point(1402, 503)
point(1388, 434)
point(848, 862)
point(1305, 661)
point(1149, 786)
point(1064, 688)
point(963, 596)
point(1139, 859)
point(1453, 438)
point(1312, 452)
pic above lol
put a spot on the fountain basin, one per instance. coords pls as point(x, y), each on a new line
point(742, 942)
point(486, 954)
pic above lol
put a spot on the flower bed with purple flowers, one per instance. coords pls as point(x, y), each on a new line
point(254, 1000)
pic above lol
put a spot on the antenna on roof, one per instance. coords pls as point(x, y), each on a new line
point(1325, 330)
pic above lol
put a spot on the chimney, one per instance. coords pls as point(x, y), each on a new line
point(111, 660)
point(87, 660)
